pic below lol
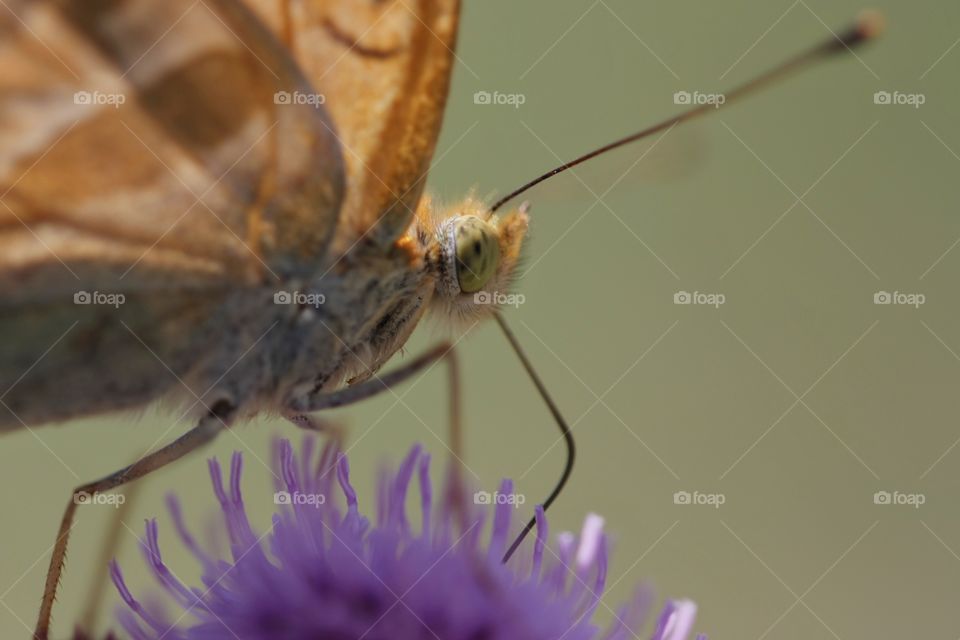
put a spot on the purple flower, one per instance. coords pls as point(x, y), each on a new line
point(323, 571)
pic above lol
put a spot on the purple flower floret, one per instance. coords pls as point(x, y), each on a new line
point(325, 572)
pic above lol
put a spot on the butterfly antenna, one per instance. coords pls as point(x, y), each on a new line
point(868, 26)
point(561, 423)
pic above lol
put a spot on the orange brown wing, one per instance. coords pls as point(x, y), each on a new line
point(383, 67)
point(142, 146)
point(144, 153)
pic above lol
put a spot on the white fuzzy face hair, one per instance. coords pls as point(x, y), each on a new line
point(473, 255)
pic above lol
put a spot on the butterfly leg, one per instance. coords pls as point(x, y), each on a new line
point(109, 546)
point(309, 423)
point(380, 383)
point(369, 388)
point(217, 419)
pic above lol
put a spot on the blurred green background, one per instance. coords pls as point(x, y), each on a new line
point(797, 399)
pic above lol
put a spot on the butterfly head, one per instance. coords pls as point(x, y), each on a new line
point(476, 257)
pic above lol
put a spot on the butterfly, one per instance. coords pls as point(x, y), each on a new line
point(220, 204)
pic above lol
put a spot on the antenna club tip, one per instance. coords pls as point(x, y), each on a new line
point(871, 23)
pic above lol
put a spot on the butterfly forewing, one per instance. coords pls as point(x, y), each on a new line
point(147, 136)
point(384, 69)
point(144, 152)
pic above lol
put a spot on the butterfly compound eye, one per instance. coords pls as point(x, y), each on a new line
point(478, 252)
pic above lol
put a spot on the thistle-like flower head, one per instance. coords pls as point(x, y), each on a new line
point(324, 571)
